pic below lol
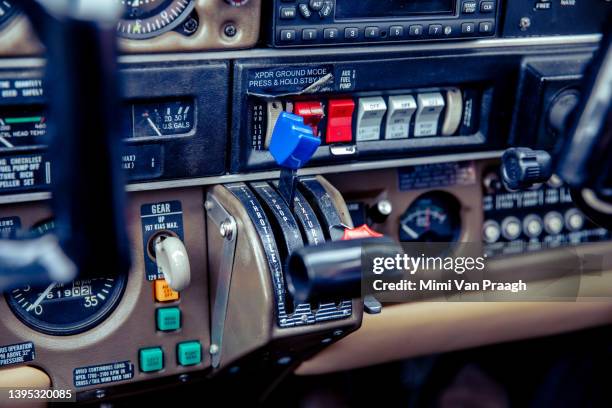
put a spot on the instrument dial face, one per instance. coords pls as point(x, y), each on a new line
point(433, 217)
point(161, 119)
point(22, 127)
point(149, 18)
point(7, 10)
point(64, 309)
point(237, 3)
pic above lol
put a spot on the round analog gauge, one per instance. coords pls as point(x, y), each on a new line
point(237, 3)
point(7, 10)
point(149, 18)
point(64, 309)
point(433, 217)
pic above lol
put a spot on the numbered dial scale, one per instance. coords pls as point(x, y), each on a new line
point(161, 119)
point(7, 10)
point(64, 309)
point(149, 18)
point(433, 217)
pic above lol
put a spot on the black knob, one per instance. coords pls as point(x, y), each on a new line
point(333, 270)
point(379, 212)
point(560, 109)
point(523, 167)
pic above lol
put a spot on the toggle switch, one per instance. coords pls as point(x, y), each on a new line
point(430, 106)
point(312, 112)
point(401, 110)
point(173, 262)
point(369, 118)
point(340, 121)
point(273, 111)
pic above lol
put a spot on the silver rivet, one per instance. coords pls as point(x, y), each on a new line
point(214, 349)
point(208, 205)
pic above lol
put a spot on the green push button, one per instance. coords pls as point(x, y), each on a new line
point(189, 353)
point(151, 359)
point(168, 318)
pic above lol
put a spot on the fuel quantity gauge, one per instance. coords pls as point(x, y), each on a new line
point(162, 119)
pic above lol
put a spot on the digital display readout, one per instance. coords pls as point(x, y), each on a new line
point(347, 9)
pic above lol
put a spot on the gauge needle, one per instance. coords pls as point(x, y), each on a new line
point(6, 142)
point(155, 128)
point(41, 297)
point(410, 231)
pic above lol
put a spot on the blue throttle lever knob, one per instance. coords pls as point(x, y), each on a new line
point(293, 143)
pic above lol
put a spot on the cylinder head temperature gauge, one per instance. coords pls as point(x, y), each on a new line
point(432, 217)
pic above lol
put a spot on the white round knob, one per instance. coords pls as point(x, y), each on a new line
point(532, 226)
point(553, 223)
point(574, 220)
point(491, 232)
point(511, 228)
point(173, 262)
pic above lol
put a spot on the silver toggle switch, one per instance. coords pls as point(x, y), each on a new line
point(430, 106)
point(401, 110)
point(369, 118)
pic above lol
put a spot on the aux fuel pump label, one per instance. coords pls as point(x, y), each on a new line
point(158, 218)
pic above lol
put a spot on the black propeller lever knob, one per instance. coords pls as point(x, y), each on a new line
point(523, 167)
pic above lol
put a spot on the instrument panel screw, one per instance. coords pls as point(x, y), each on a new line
point(525, 23)
point(226, 229)
point(214, 349)
point(183, 378)
point(190, 26)
point(100, 394)
point(230, 30)
point(208, 205)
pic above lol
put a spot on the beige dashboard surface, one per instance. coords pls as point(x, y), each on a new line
point(427, 327)
point(415, 329)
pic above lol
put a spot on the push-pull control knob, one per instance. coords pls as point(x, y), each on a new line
point(172, 260)
point(523, 167)
point(380, 211)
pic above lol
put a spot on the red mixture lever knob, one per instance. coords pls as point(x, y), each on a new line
point(360, 232)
